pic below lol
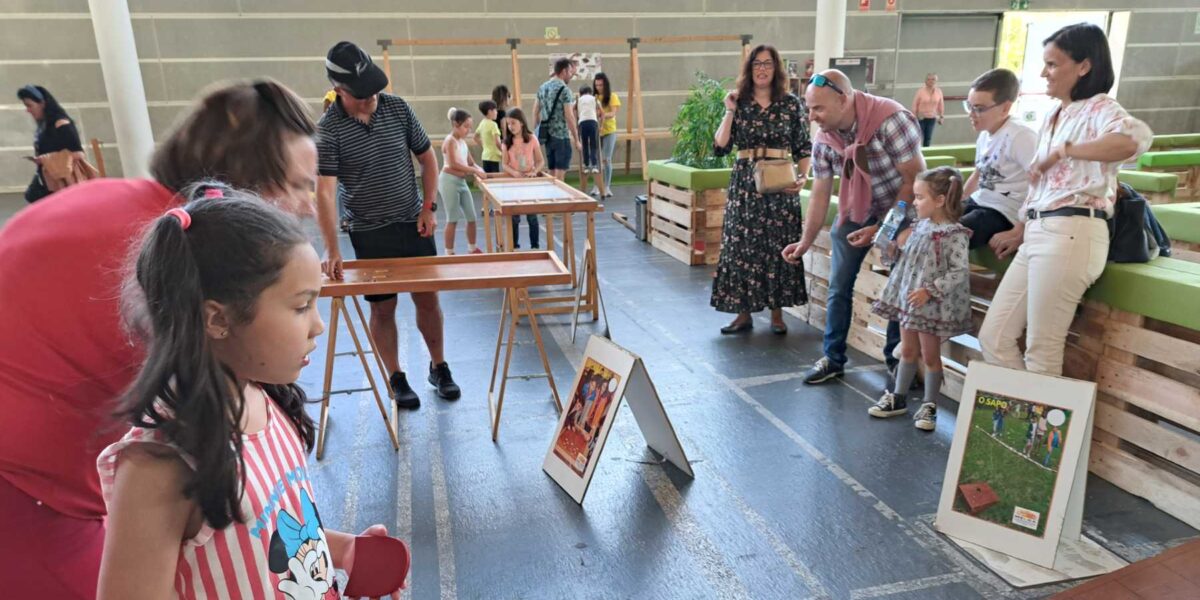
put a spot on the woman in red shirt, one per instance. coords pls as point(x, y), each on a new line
point(65, 354)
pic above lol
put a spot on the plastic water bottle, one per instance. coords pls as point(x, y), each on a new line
point(885, 238)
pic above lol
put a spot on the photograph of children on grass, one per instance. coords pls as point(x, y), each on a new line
point(586, 415)
point(1014, 448)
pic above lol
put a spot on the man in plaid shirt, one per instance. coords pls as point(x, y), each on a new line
point(885, 139)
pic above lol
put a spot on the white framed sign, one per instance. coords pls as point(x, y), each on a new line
point(1018, 463)
point(609, 373)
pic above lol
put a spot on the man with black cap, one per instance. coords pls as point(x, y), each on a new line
point(366, 141)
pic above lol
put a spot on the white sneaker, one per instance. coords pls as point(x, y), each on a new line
point(594, 192)
point(608, 194)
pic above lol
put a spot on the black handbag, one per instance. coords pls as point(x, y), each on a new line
point(1134, 234)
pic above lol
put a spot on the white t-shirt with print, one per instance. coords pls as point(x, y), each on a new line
point(587, 108)
point(1002, 162)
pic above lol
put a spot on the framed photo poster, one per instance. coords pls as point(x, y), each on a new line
point(1018, 463)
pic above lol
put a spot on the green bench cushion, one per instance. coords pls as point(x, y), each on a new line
point(1176, 140)
point(1169, 158)
point(1147, 182)
point(830, 214)
point(837, 184)
point(1164, 288)
point(687, 177)
point(933, 162)
point(1180, 221)
point(963, 153)
point(984, 257)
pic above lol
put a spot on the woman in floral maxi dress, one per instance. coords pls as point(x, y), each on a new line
point(751, 274)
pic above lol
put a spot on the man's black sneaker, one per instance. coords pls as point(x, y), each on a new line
point(439, 377)
point(402, 392)
point(823, 371)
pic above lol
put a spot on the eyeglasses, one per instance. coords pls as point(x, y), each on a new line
point(977, 110)
point(823, 81)
point(762, 65)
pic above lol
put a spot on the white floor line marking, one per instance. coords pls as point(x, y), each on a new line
point(747, 382)
point(913, 585)
point(441, 507)
point(988, 586)
point(716, 569)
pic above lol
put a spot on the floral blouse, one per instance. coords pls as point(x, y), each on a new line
point(783, 125)
point(1083, 183)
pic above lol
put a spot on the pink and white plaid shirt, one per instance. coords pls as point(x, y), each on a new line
point(898, 140)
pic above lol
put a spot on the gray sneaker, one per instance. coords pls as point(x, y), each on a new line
point(926, 417)
point(823, 371)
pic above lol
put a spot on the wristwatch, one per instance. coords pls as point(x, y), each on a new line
point(433, 207)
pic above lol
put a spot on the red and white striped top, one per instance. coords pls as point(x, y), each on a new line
point(281, 551)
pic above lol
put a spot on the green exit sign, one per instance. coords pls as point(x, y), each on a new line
point(1019, 4)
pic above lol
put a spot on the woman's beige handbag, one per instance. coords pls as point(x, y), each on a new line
point(773, 169)
point(63, 168)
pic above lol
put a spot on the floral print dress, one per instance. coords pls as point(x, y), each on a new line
point(935, 258)
point(751, 273)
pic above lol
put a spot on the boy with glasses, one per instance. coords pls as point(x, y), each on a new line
point(1004, 152)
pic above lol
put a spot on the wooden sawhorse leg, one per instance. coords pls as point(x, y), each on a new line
point(516, 301)
point(487, 226)
point(338, 310)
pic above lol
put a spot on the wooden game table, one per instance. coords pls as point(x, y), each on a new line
point(507, 197)
point(513, 272)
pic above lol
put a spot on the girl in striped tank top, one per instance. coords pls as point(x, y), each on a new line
point(208, 494)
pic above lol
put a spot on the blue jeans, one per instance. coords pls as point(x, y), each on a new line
point(589, 132)
point(608, 143)
point(844, 272)
point(927, 126)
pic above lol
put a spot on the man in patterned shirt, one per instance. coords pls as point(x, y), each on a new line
point(883, 142)
point(554, 113)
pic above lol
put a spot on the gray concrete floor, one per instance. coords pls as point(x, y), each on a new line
point(797, 494)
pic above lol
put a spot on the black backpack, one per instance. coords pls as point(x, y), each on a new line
point(1135, 236)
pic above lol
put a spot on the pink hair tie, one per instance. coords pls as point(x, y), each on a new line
point(213, 192)
point(185, 220)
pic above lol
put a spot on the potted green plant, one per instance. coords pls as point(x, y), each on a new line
point(693, 165)
point(687, 192)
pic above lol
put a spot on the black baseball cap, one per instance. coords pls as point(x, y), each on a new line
point(348, 66)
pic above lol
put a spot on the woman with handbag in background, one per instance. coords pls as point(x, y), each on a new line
point(769, 126)
point(55, 132)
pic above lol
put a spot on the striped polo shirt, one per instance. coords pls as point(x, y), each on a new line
point(377, 184)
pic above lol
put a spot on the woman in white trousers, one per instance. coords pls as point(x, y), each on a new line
point(1062, 239)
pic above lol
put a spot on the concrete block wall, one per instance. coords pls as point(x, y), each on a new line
point(185, 45)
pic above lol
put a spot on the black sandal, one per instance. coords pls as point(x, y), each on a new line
point(731, 328)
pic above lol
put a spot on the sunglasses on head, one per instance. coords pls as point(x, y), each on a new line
point(823, 81)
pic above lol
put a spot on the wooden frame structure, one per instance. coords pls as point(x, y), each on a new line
point(514, 273)
point(566, 201)
point(635, 76)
